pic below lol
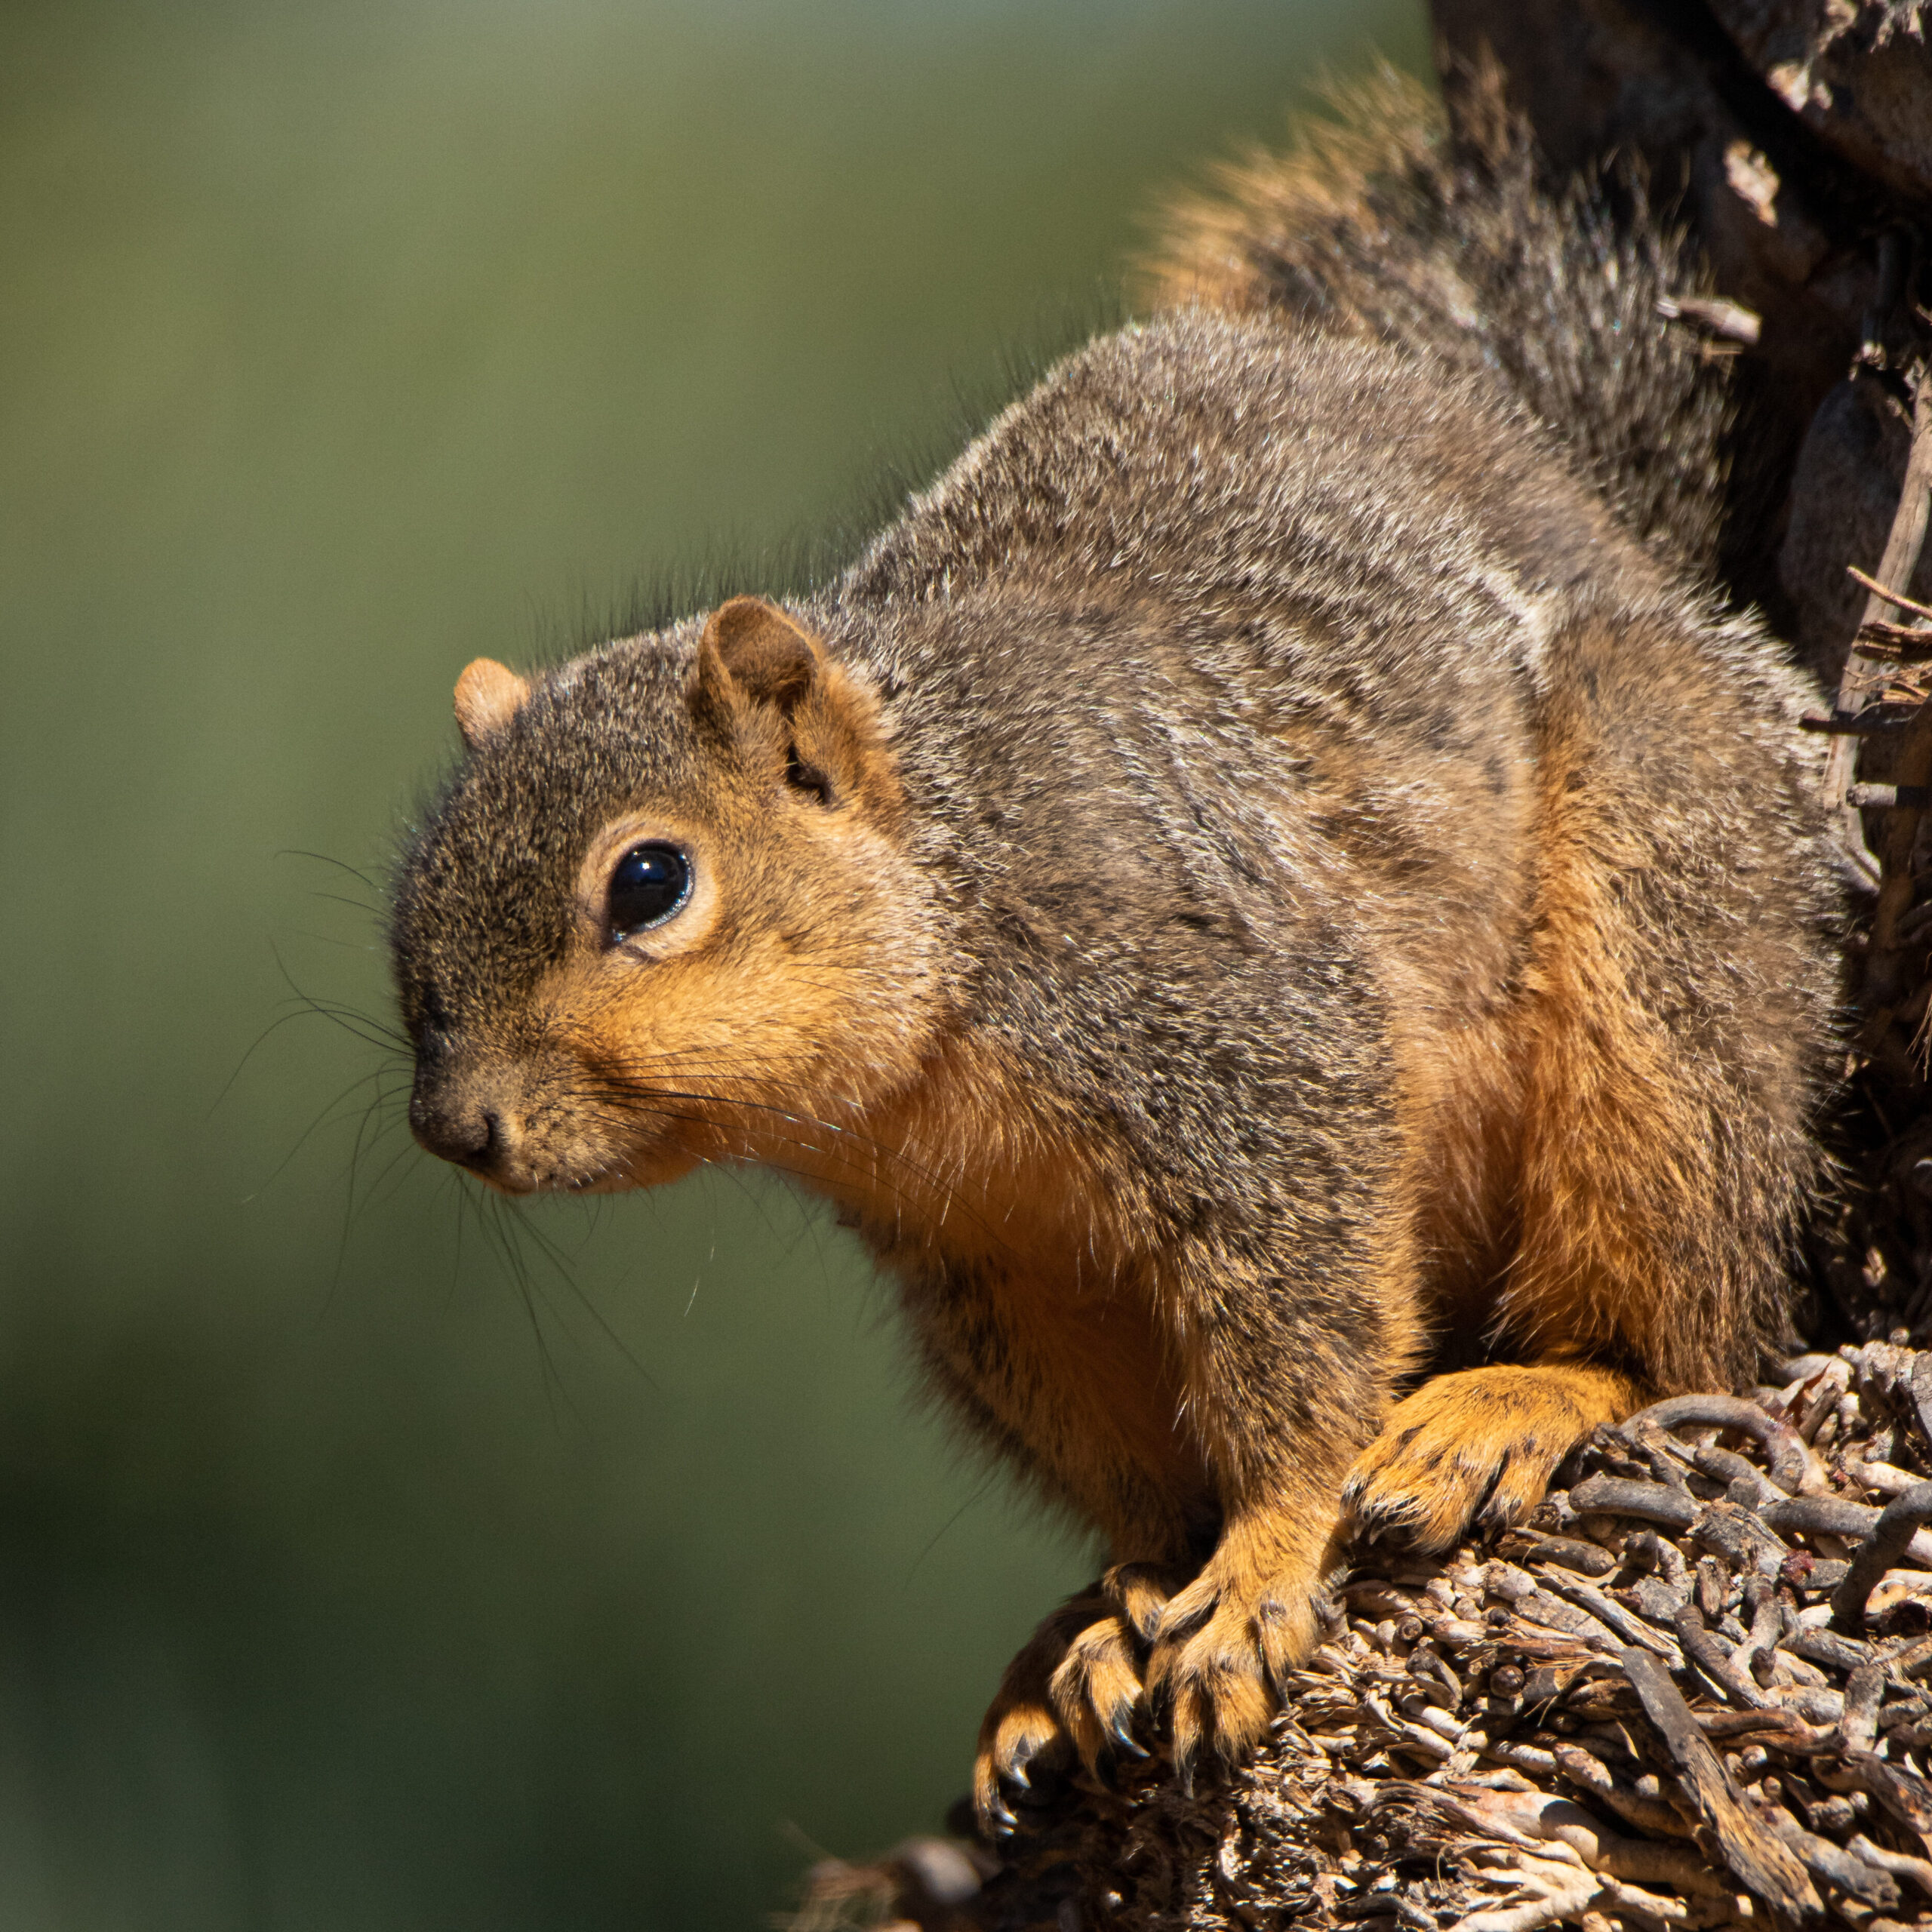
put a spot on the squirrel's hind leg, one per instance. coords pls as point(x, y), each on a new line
point(1673, 1020)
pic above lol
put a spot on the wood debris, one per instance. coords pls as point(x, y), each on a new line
point(1694, 1691)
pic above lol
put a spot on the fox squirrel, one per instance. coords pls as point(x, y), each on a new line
point(1274, 897)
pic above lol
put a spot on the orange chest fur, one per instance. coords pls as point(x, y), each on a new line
point(1029, 1277)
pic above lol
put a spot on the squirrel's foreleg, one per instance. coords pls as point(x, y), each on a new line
point(1282, 1390)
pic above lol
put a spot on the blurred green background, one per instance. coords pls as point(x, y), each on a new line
point(358, 1570)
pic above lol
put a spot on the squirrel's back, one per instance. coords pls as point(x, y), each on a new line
point(1277, 633)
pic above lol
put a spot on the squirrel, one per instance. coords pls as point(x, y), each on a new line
point(1276, 896)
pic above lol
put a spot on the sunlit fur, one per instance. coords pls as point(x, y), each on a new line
point(1258, 885)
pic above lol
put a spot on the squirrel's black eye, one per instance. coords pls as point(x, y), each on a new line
point(649, 884)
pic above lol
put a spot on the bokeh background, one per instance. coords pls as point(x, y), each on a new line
point(370, 1557)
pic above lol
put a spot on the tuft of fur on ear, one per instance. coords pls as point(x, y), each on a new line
point(488, 695)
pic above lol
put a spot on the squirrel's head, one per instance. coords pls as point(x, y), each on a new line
point(662, 913)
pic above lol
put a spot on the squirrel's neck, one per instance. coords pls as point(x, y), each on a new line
point(974, 1164)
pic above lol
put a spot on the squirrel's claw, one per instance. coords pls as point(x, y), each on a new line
point(1025, 1728)
point(1094, 1688)
point(1012, 1742)
point(1074, 1689)
point(1226, 1644)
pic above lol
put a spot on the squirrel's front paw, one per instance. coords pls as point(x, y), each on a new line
point(1476, 1450)
point(1226, 1643)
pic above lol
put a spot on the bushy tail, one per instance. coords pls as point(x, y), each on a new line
point(1385, 221)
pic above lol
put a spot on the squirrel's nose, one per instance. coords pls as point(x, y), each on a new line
point(457, 1129)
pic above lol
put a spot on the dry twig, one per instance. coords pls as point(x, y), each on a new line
point(1903, 547)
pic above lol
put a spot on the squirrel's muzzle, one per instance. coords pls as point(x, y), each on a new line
point(499, 1117)
point(459, 1122)
point(469, 1137)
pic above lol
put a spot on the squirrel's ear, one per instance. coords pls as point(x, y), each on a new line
point(751, 648)
point(763, 683)
point(488, 695)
